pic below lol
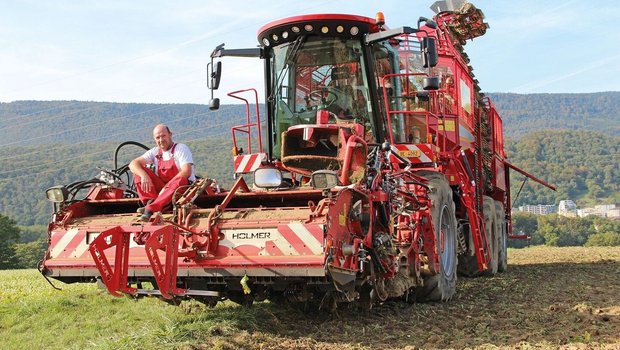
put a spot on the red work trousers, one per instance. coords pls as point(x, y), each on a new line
point(161, 192)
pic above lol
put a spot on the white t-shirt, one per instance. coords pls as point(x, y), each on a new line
point(182, 156)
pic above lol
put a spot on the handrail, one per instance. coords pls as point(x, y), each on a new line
point(246, 128)
point(432, 119)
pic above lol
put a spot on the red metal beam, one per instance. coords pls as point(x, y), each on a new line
point(525, 173)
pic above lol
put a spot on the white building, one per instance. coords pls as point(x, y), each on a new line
point(567, 208)
point(539, 209)
point(582, 213)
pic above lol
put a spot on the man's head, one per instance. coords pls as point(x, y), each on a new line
point(162, 137)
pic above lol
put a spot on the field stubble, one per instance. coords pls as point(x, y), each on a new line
point(549, 298)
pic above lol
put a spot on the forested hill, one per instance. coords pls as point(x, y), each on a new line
point(584, 165)
point(523, 114)
point(26, 123)
point(52, 143)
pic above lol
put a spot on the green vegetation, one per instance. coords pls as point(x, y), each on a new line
point(9, 234)
point(525, 113)
point(559, 231)
point(584, 165)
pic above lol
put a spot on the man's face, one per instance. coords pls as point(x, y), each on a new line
point(163, 138)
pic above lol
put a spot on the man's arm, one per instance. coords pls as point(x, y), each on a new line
point(185, 159)
point(137, 168)
point(185, 171)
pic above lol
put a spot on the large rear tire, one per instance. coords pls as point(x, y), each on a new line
point(441, 287)
point(502, 233)
point(488, 205)
point(468, 264)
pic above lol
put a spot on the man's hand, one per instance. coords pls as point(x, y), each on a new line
point(145, 183)
point(137, 168)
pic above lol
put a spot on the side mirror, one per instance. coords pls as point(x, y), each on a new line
point(214, 104)
point(215, 74)
point(429, 52)
point(267, 178)
point(324, 179)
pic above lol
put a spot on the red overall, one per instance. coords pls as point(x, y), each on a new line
point(163, 188)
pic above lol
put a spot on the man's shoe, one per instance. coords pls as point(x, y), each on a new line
point(141, 209)
point(146, 216)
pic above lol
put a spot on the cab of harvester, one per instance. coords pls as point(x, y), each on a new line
point(325, 72)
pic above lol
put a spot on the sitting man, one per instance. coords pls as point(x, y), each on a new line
point(174, 167)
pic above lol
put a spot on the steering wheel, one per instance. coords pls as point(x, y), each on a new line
point(319, 95)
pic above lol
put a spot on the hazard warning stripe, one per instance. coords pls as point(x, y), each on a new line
point(295, 240)
point(59, 244)
point(72, 244)
point(248, 162)
point(78, 239)
point(308, 237)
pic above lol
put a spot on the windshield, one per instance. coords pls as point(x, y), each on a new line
point(318, 74)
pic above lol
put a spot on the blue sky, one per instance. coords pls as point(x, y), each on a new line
point(157, 51)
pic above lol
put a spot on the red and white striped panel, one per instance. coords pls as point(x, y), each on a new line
point(247, 163)
point(72, 243)
point(420, 153)
point(292, 239)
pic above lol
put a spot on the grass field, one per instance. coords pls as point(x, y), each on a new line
point(550, 298)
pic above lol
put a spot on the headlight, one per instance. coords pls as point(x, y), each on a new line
point(57, 194)
point(267, 178)
point(324, 179)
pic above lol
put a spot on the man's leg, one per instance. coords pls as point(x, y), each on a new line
point(158, 184)
point(165, 195)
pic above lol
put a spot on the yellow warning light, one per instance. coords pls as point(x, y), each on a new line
point(235, 151)
point(380, 18)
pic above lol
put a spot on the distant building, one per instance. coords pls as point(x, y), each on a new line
point(582, 213)
point(603, 208)
point(614, 213)
point(539, 209)
point(567, 208)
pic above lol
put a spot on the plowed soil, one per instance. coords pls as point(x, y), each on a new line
point(549, 298)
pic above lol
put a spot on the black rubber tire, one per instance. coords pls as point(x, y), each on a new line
point(468, 264)
point(502, 233)
point(441, 287)
point(488, 207)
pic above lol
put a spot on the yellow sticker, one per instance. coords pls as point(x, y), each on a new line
point(449, 125)
point(342, 220)
point(410, 153)
point(342, 217)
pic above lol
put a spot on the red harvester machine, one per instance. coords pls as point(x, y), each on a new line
point(379, 173)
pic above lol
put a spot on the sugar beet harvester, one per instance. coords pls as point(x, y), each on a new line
point(380, 173)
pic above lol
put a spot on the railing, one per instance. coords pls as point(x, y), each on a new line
point(247, 128)
point(440, 128)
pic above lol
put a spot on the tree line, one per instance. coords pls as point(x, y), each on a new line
point(584, 165)
point(559, 231)
point(22, 247)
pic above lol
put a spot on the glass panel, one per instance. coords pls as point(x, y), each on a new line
point(319, 74)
